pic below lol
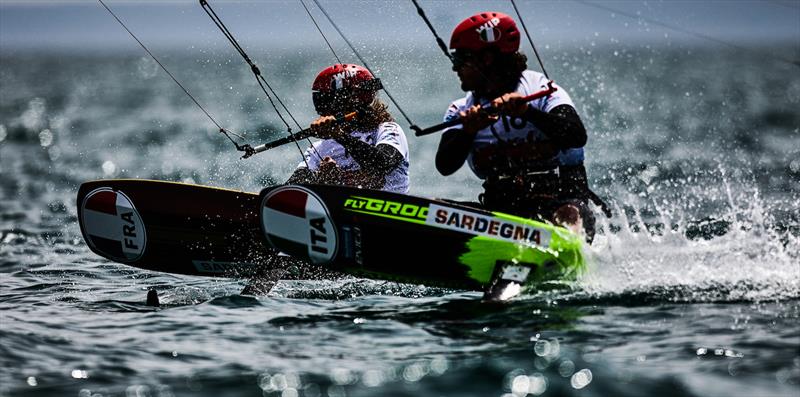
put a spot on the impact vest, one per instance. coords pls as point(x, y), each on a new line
point(388, 133)
point(510, 130)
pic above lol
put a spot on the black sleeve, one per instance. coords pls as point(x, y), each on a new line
point(381, 158)
point(453, 150)
point(562, 125)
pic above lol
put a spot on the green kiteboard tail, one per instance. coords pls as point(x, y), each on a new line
point(554, 253)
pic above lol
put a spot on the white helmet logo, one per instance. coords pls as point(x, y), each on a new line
point(488, 31)
point(339, 78)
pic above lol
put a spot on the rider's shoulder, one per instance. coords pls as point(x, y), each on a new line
point(460, 103)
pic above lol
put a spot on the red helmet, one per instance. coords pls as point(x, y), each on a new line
point(485, 30)
point(344, 82)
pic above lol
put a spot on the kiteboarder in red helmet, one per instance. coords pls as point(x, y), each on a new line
point(370, 150)
point(530, 154)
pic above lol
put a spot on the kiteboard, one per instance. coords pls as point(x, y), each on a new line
point(173, 227)
point(206, 231)
point(391, 236)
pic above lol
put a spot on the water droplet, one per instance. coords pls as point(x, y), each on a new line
point(731, 353)
point(555, 348)
point(54, 152)
point(278, 382)
point(566, 368)
point(264, 382)
point(336, 391)
point(581, 379)
point(32, 118)
point(508, 379)
point(794, 166)
point(541, 363)
point(146, 67)
point(342, 376)
point(783, 376)
point(45, 138)
point(520, 385)
point(372, 378)
point(414, 372)
point(109, 168)
point(79, 374)
point(541, 348)
point(134, 390)
point(290, 392)
point(439, 365)
point(292, 380)
point(537, 384)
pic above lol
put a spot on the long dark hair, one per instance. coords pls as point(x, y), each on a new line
point(375, 114)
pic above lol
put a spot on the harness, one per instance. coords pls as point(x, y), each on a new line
point(538, 188)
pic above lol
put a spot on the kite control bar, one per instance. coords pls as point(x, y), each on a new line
point(303, 134)
point(438, 127)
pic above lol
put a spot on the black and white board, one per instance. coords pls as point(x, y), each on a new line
point(173, 227)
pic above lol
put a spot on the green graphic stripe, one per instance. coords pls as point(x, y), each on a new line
point(399, 218)
point(548, 263)
point(563, 259)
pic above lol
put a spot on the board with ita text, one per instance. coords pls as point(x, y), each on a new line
point(399, 237)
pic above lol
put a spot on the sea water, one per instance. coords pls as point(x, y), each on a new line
point(693, 287)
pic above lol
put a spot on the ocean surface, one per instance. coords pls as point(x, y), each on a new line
point(693, 287)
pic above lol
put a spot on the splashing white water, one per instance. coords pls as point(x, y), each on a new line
point(752, 261)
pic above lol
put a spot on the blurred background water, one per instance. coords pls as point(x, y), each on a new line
point(694, 285)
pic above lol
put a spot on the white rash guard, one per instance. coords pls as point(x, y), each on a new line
point(508, 128)
point(388, 133)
